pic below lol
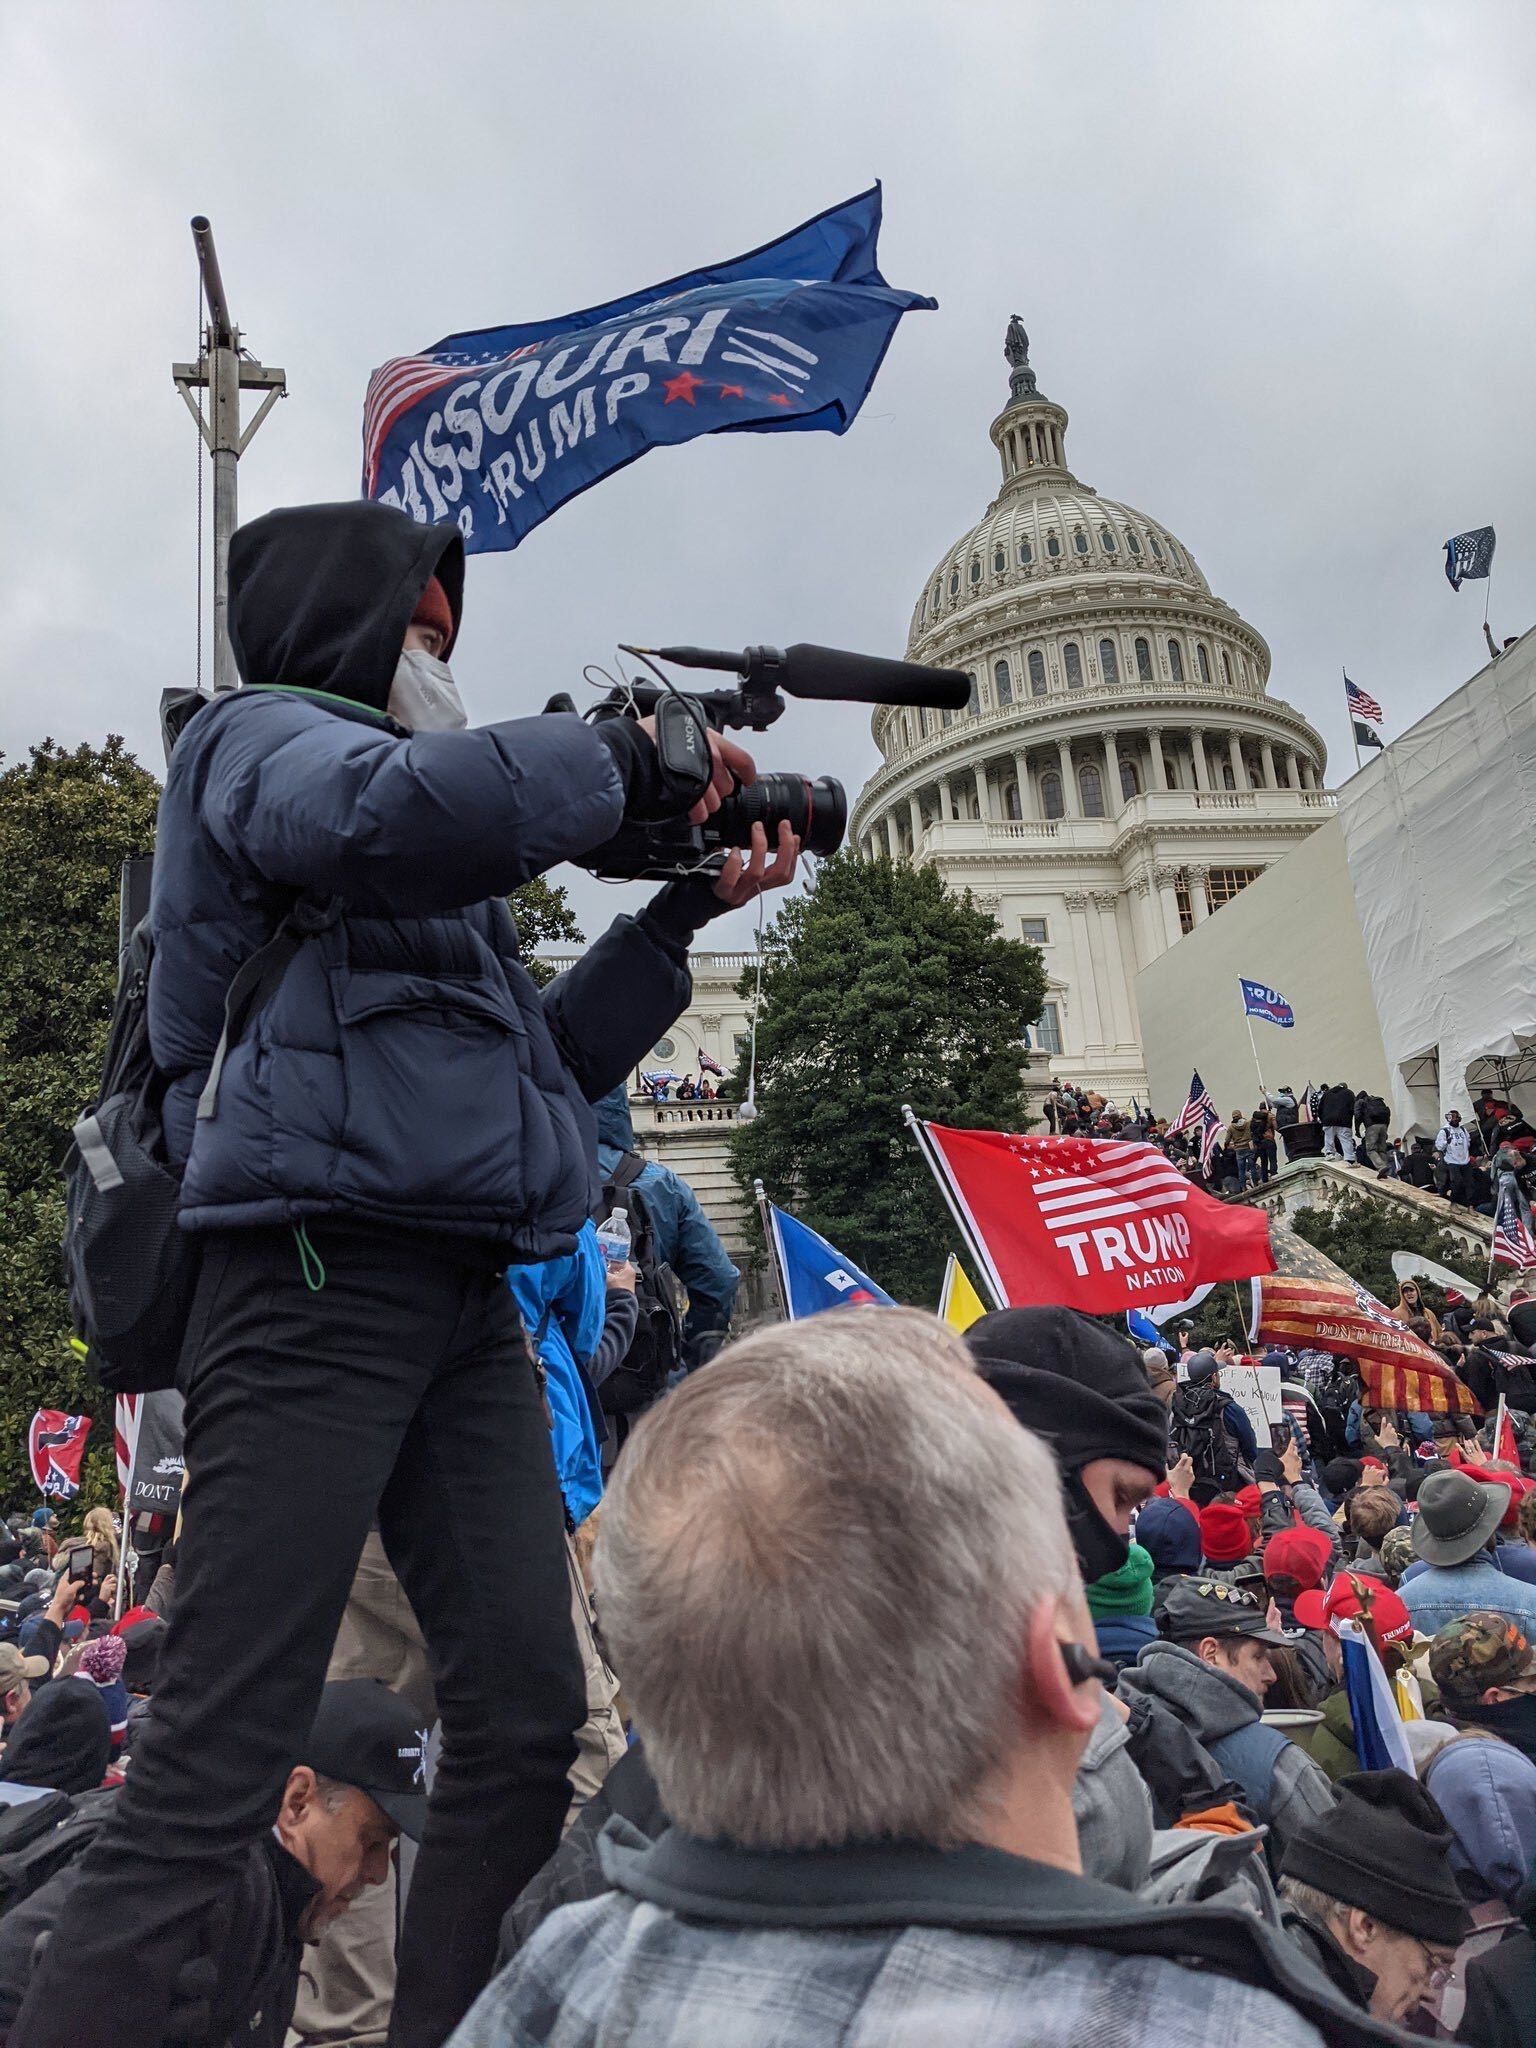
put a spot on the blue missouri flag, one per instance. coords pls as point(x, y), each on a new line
point(1259, 1001)
point(816, 1275)
point(497, 429)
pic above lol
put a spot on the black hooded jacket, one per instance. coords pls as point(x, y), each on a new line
point(63, 1739)
point(406, 1069)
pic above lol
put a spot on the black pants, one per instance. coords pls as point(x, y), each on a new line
point(1460, 1185)
point(401, 1388)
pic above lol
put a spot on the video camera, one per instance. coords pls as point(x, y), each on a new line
point(815, 809)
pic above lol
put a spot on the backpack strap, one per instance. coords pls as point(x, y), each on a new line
point(628, 1171)
point(256, 982)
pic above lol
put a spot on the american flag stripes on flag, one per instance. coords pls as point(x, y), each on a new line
point(1199, 1111)
point(1360, 702)
point(1513, 1244)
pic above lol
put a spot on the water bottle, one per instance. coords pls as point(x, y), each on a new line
point(613, 1238)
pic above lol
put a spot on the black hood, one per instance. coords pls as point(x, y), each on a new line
point(63, 1739)
point(320, 595)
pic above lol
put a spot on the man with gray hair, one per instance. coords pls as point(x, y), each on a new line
point(837, 1580)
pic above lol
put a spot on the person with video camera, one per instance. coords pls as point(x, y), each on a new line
point(404, 1115)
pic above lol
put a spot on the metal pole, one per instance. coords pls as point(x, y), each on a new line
point(1248, 1020)
point(224, 447)
point(224, 369)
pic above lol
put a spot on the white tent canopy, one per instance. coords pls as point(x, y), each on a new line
point(1440, 835)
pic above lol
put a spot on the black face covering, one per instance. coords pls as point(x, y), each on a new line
point(1514, 1719)
point(1099, 1548)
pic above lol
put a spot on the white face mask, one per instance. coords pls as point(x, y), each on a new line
point(423, 696)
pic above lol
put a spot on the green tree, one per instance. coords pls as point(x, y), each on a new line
point(1361, 1234)
point(879, 988)
point(68, 820)
point(544, 918)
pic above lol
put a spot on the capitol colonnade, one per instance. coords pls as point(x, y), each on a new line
point(1121, 771)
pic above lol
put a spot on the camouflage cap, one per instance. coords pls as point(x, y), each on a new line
point(1397, 1552)
point(1480, 1650)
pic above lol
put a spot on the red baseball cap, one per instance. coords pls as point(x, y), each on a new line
point(1371, 1602)
point(1298, 1554)
point(1519, 1486)
point(1251, 1501)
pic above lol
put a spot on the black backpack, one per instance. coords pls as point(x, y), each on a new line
point(41, 1836)
point(657, 1346)
point(1197, 1425)
point(129, 1266)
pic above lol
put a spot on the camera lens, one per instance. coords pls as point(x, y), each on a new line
point(816, 812)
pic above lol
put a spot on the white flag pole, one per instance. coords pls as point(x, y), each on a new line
point(1252, 1043)
point(775, 1250)
point(956, 1209)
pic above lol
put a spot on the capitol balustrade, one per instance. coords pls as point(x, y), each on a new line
point(1102, 835)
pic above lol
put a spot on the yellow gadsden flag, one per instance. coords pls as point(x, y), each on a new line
point(959, 1304)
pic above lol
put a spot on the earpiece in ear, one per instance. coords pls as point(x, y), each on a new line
point(1082, 1665)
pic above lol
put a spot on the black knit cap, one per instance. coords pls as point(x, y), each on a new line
point(1385, 1847)
point(1080, 1386)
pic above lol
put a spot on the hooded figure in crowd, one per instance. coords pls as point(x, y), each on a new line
point(63, 1740)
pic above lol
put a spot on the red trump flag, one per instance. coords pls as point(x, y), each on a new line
point(1095, 1224)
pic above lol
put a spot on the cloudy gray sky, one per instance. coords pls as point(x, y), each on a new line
point(1275, 259)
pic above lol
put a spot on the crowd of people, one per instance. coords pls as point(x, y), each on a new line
point(1469, 1164)
point(527, 1665)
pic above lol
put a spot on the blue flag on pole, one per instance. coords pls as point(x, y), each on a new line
point(1259, 1001)
point(816, 1275)
point(497, 429)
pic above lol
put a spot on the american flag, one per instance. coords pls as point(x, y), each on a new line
point(398, 384)
point(1360, 703)
point(1083, 1181)
point(1200, 1110)
point(1512, 1241)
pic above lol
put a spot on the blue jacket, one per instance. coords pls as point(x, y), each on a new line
point(685, 1237)
point(561, 1302)
point(406, 1069)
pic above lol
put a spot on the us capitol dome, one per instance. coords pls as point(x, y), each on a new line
point(1121, 771)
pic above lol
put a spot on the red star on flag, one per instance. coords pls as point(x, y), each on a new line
point(732, 391)
point(778, 398)
point(682, 386)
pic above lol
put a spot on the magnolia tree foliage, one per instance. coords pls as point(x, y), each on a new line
point(882, 987)
point(544, 918)
point(68, 820)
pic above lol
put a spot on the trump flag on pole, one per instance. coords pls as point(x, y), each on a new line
point(1259, 1001)
point(1098, 1225)
point(498, 428)
point(815, 1273)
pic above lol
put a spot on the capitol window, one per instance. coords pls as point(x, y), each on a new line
point(946, 717)
point(1074, 661)
point(1106, 540)
point(1143, 661)
point(935, 596)
point(1003, 682)
point(1109, 661)
point(1036, 931)
point(1130, 780)
point(1157, 551)
point(922, 724)
point(1052, 546)
point(1045, 1035)
point(1175, 661)
point(663, 1049)
point(1050, 794)
point(975, 568)
point(1205, 663)
point(1036, 673)
point(1226, 669)
point(1091, 786)
point(999, 561)
point(1225, 883)
point(954, 582)
point(973, 703)
point(1026, 553)
point(1080, 541)
point(1174, 556)
point(1133, 540)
